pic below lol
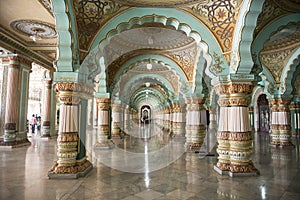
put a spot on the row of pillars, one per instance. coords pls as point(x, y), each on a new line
point(17, 71)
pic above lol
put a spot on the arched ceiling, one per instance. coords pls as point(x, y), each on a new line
point(85, 19)
point(157, 3)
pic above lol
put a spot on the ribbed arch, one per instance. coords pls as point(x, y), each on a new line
point(288, 73)
point(241, 59)
point(168, 17)
point(269, 30)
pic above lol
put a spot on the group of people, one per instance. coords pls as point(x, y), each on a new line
point(35, 122)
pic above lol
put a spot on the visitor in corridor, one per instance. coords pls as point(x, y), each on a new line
point(33, 123)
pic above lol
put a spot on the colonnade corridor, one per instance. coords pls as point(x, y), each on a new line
point(148, 163)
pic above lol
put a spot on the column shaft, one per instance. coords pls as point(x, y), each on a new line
point(70, 164)
point(47, 109)
point(103, 142)
point(195, 127)
point(116, 119)
point(11, 114)
point(234, 132)
point(280, 122)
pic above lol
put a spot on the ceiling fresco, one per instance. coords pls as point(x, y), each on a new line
point(35, 34)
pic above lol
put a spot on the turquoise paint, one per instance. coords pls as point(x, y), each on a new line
point(181, 17)
point(64, 62)
point(76, 59)
point(266, 33)
point(156, 58)
point(23, 77)
point(53, 113)
point(246, 27)
point(289, 72)
point(69, 77)
point(82, 128)
point(141, 79)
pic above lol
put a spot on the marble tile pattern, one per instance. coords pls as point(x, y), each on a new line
point(24, 174)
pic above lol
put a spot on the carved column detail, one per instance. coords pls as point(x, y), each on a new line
point(18, 69)
point(11, 114)
point(103, 106)
point(195, 127)
point(234, 133)
point(116, 119)
point(178, 119)
point(68, 141)
point(280, 122)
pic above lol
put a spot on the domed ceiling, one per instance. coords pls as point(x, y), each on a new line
point(147, 38)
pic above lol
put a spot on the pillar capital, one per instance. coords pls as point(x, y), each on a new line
point(103, 103)
point(71, 92)
point(279, 105)
point(15, 60)
point(234, 94)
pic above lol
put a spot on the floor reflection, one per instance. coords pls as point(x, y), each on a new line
point(149, 148)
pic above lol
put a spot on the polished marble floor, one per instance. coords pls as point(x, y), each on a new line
point(148, 167)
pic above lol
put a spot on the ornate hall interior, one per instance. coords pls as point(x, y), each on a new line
point(149, 99)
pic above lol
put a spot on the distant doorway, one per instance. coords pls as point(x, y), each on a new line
point(264, 113)
point(145, 114)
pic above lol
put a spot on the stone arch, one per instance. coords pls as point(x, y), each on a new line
point(241, 58)
point(167, 17)
point(185, 89)
point(257, 91)
point(65, 54)
point(290, 71)
point(266, 33)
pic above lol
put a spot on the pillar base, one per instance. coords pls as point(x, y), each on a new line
point(109, 144)
point(14, 144)
point(250, 171)
point(70, 172)
point(283, 146)
point(193, 147)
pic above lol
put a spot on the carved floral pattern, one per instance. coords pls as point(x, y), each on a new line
point(91, 15)
point(276, 61)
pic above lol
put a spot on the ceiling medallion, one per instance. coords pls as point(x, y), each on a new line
point(34, 29)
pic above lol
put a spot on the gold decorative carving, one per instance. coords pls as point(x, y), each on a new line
point(275, 61)
point(235, 101)
point(69, 137)
point(233, 88)
point(240, 136)
point(78, 167)
point(223, 166)
point(280, 127)
point(216, 68)
point(71, 92)
point(223, 135)
point(186, 60)
point(270, 11)
point(249, 167)
point(279, 105)
point(103, 103)
point(220, 18)
point(91, 16)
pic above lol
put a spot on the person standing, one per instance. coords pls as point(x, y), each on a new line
point(33, 123)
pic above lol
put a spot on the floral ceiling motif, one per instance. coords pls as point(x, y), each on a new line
point(90, 17)
point(219, 16)
point(275, 61)
point(34, 27)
